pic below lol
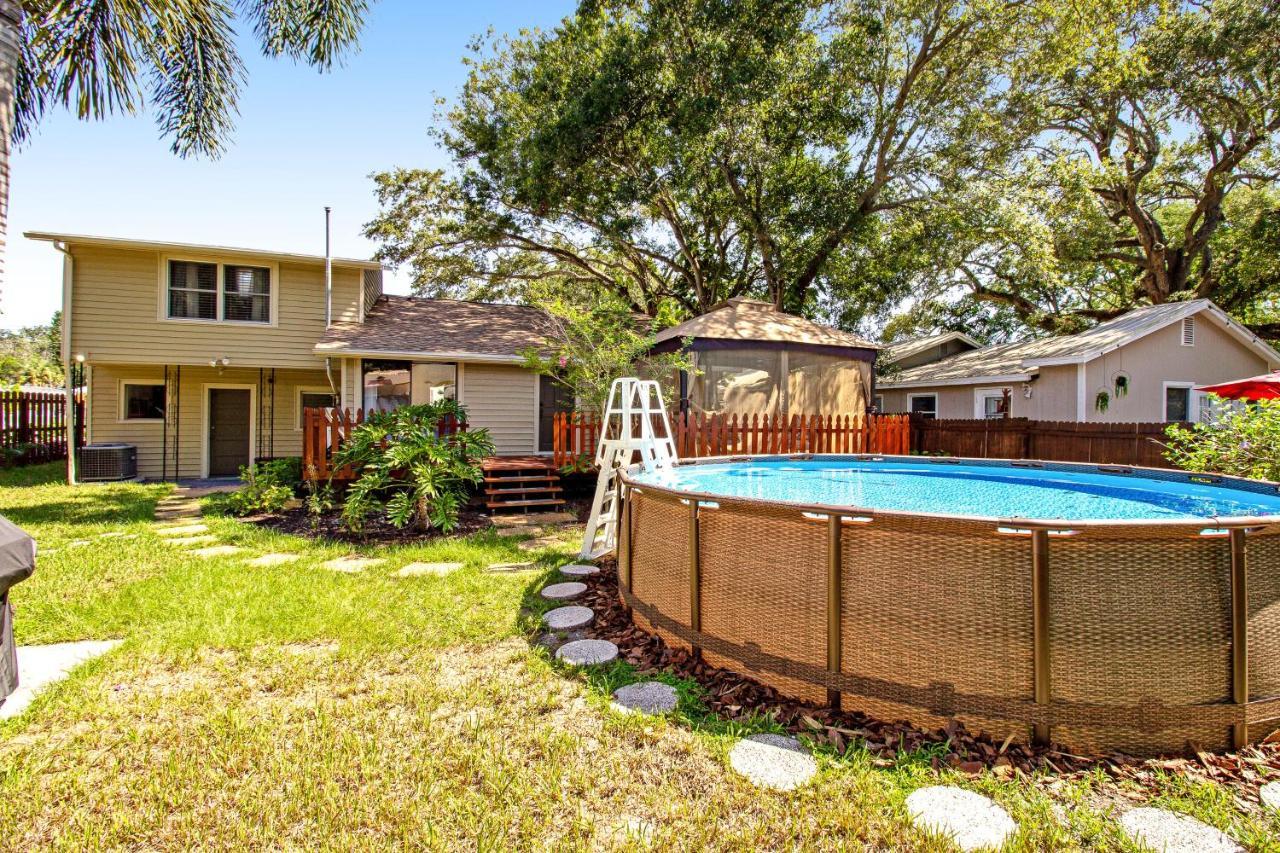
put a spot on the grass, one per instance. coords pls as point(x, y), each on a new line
point(296, 707)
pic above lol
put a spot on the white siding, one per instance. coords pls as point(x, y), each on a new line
point(503, 400)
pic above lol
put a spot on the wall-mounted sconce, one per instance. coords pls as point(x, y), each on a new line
point(79, 358)
point(220, 362)
point(1026, 390)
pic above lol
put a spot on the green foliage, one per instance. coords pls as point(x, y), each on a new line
point(694, 151)
point(409, 469)
point(595, 343)
point(268, 486)
point(177, 57)
point(1243, 441)
point(319, 502)
point(32, 355)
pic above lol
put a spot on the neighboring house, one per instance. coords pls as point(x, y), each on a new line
point(752, 359)
point(925, 350)
point(204, 356)
point(1143, 366)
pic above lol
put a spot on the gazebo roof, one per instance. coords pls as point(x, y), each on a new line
point(750, 320)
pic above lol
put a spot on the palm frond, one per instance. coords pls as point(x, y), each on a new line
point(318, 32)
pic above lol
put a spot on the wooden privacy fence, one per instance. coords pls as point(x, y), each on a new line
point(33, 426)
point(700, 434)
point(1060, 441)
point(325, 430)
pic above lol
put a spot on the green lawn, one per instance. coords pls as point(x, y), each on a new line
point(298, 707)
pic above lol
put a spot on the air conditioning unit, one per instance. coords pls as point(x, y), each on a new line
point(104, 462)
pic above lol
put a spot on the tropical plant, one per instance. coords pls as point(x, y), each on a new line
point(419, 473)
point(268, 486)
point(101, 57)
point(1240, 440)
point(32, 355)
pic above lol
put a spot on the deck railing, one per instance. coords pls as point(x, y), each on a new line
point(700, 434)
point(325, 430)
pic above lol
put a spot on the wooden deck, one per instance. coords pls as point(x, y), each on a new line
point(521, 482)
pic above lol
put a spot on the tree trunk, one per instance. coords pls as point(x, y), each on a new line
point(10, 44)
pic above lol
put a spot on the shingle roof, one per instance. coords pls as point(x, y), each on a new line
point(751, 320)
point(1025, 357)
point(900, 350)
point(406, 325)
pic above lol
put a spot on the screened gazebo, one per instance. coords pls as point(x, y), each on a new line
point(754, 359)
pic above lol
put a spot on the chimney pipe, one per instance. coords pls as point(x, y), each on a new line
point(328, 274)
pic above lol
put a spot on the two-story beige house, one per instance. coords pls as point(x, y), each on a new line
point(203, 357)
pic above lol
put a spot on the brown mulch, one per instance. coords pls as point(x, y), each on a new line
point(736, 697)
point(299, 523)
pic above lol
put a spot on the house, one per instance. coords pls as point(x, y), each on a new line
point(751, 358)
point(925, 350)
point(1143, 366)
point(203, 357)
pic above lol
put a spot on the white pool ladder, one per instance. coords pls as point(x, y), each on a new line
point(635, 422)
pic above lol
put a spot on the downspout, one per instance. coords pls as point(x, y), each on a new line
point(68, 274)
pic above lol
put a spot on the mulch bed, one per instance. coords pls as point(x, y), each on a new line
point(737, 697)
point(299, 523)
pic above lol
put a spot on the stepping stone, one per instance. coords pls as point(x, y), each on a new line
point(117, 534)
point(563, 591)
point(511, 567)
point(183, 530)
point(416, 569)
point(1170, 832)
point(645, 697)
point(351, 565)
point(216, 551)
point(188, 541)
point(40, 666)
point(579, 570)
point(969, 819)
point(587, 652)
point(76, 543)
point(1270, 795)
point(274, 559)
point(568, 618)
point(534, 519)
point(777, 762)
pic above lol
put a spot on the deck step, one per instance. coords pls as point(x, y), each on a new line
point(533, 502)
point(522, 479)
point(520, 490)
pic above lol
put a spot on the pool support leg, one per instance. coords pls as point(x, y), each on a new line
point(1042, 686)
point(1239, 634)
point(695, 577)
point(834, 569)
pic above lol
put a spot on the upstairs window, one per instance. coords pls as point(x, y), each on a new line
point(213, 292)
point(246, 294)
point(193, 290)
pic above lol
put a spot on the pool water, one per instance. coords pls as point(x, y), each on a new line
point(994, 491)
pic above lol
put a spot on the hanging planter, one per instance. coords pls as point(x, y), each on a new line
point(1121, 385)
point(1102, 401)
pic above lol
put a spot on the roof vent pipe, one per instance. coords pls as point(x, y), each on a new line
point(328, 274)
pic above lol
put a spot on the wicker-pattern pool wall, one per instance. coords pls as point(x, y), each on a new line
point(1102, 636)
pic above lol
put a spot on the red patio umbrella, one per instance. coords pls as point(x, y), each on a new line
point(1264, 387)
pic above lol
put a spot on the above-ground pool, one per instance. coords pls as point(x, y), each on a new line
point(1103, 607)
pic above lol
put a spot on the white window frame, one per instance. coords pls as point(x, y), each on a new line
point(878, 402)
point(912, 397)
point(162, 275)
point(1193, 399)
point(122, 401)
point(980, 397)
point(309, 389)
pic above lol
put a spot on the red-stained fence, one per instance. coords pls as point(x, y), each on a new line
point(33, 426)
point(324, 431)
point(700, 434)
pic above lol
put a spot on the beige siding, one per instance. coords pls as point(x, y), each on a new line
point(502, 399)
point(1159, 358)
point(118, 300)
point(105, 424)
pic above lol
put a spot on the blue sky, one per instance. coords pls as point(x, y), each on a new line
point(303, 140)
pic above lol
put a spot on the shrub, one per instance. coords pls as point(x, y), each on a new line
point(408, 468)
point(268, 486)
point(1244, 442)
